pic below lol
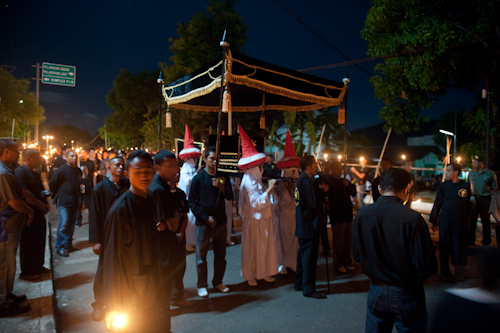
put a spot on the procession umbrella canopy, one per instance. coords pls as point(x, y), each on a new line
point(251, 85)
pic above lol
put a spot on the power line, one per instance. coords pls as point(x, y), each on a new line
point(321, 38)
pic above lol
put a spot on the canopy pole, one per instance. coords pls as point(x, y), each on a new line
point(380, 161)
point(225, 47)
point(160, 83)
point(346, 80)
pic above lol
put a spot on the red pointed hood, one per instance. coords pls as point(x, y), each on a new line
point(250, 156)
point(189, 149)
point(290, 158)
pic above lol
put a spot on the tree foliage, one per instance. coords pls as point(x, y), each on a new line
point(12, 92)
point(134, 97)
point(428, 46)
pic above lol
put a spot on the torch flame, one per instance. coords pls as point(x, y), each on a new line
point(116, 321)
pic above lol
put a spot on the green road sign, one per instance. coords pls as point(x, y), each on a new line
point(62, 75)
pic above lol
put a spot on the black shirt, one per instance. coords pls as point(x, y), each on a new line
point(65, 184)
point(392, 243)
point(159, 190)
point(340, 200)
point(206, 200)
point(30, 180)
point(452, 206)
point(103, 196)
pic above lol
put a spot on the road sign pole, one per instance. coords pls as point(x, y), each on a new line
point(37, 97)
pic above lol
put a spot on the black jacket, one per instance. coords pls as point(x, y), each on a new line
point(65, 186)
point(206, 200)
point(308, 208)
point(452, 206)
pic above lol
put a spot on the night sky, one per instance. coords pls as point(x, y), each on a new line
point(102, 37)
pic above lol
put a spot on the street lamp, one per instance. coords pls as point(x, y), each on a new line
point(72, 141)
point(47, 137)
point(403, 157)
point(459, 159)
point(326, 157)
point(452, 135)
point(339, 157)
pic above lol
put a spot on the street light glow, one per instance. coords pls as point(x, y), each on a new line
point(446, 132)
point(403, 157)
point(459, 159)
point(361, 159)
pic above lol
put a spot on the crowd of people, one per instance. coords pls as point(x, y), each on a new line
point(146, 213)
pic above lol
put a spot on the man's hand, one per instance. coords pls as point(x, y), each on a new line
point(161, 226)
point(44, 208)
point(31, 215)
point(97, 248)
point(345, 181)
point(218, 183)
point(211, 222)
point(324, 186)
point(435, 227)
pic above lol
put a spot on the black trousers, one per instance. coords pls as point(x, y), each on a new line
point(454, 244)
point(99, 286)
point(204, 234)
point(482, 209)
point(307, 260)
point(178, 270)
point(32, 245)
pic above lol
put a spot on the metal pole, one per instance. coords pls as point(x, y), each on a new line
point(160, 83)
point(488, 129)
point(455, 137)
point(37, 97)
point(225, 46)
point(346, 80)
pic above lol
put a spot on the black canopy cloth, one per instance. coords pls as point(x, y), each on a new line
point(254, 86)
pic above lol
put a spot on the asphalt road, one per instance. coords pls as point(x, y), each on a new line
point(269, 307)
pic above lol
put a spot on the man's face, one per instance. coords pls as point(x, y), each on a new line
point(210, 160)
point(92, 154)
point(168, 169)
point(269, 159)
point(337, 171)
point(313, 168)
point(34, 161)
point(71, 158)
point(84, 154)
point(450, 173)
point(11, 155)
point(477, 164)
point(385, 165)
point(117, 166)
point(140, 173)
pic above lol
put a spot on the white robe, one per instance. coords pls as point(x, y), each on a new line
point(186, 176)
point(287, 244)
point(258, 248)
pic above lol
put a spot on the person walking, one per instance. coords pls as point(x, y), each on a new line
point(393, 245)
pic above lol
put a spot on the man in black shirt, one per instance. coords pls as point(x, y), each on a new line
point(32, 245)
point(393, 245)
point(206, 201)
point(103, 196)
point(168, 216)
point(65, 186)
point(308, 223)
point(385, 164)
point(340, 192)
point(86, 183)
point(452, 210)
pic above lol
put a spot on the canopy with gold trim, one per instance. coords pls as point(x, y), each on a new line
point(254, 85)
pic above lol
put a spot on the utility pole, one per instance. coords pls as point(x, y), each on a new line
point(37, 94)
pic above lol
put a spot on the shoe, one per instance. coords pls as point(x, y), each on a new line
point(78, 225)
point(222, 288)
point(342, 270)
point(44, 270)
point(14, 309)
point(252, 283)
point(182, 303)
point(17, 299)
point(203, 292)
point(29, 277)
point(73, 249)
point(447, 278)
point(230, 243)
point(189, 248)
point(282, 269)
point(350, 268)
point(269, 279)
point(62, 253)
point(316, 294)
point(98, 314)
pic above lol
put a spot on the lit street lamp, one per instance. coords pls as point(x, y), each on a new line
point(339, 157)
point(403, 157)
point(47, 137)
